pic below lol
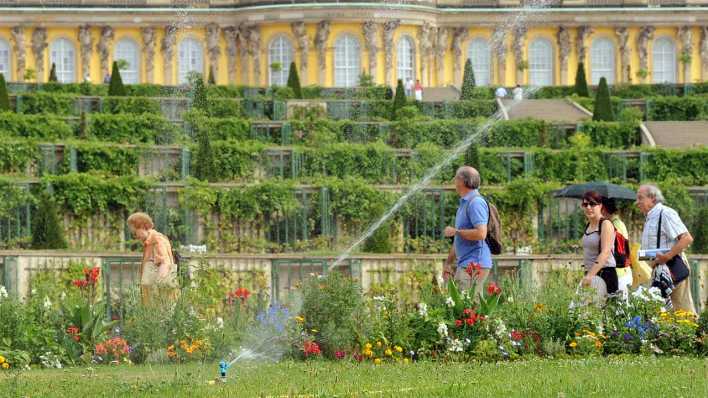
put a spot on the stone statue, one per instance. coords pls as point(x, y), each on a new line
point(231, 36)
point(564, 47)
point(39, 44)
point(441, 46)
point(704, 52)
point(303, 43)
point(646, 34)
point(622, 34)
point(168, 52)
point(105, 43)
point(243, 35)
point(18, 42)
point(459, 35)
point(149, 40)
point(425, 40)
point(500, 49)
point(85, 49)
point(518, 47)
point(583, 33)
point(389, 27)
point(254, 50)
point(686, 37)
point(321, 37)
point(370, 30)
point(213, 49)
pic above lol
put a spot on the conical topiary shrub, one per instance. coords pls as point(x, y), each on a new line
point(294, 81)
point(47, 233)
point(468, 82)
point(199, 99)
point(4, 98)
point(204, 166)
point(399, 101)
point(603, 106)
point(581, 85)
point(115, 86)
point(211, 80)
point(53, 74)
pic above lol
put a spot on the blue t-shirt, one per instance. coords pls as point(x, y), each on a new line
point(473, 211)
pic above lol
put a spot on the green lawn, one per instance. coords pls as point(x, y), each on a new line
point(601, 377)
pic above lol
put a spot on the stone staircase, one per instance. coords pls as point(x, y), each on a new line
point(550, 110)
point(678, 134)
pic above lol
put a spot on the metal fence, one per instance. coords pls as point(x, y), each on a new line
point(288, 275)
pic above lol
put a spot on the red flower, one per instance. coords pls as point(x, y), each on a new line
point(516, 335)
point(311, 348)
point(468, 311)
point(470, 321)
point(92, 274)
point(458, 322)
point(493, 289)
point(242, 293)
point(72, 330)
point(473, 269)
point(358, 357)
point(80, 283)
point(100, 349)
point(340, 354)
point(77, 338)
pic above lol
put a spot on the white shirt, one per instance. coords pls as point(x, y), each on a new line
point(671, 227)
point(518, 93)
point(409, 85)
point(501, 92)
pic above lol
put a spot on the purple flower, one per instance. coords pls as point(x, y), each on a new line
point(628, 337)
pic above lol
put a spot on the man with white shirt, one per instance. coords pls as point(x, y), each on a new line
point(673, 236)
point(501, 92)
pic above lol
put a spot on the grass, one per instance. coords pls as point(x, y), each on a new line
point(600, 377)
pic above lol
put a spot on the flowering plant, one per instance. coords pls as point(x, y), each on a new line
point(381, 351)
point(113, 350)
point(189, 348)
point(677, 332)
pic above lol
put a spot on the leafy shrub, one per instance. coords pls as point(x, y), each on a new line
point(41, 102)
point(131, 105)
point(603, 108)
point(34, 126)
point(676, 108)
point(224, 107)
point(16, 156)
point(226, 128)
point(116, 87)
point(47, 231)
point(581, 84)
point(98, 157)
point(612, 134)
point(130, 128)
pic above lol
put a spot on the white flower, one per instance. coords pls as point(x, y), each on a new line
point(655, 294)
point(3, 292)
point(219, 322)
point(62, 296)
point(468, 342)
point(423, 310)
point(450, 302)
point(379, 298)
point(442, 329)
point(510, 299)
point(47, 304)
point(456, 346)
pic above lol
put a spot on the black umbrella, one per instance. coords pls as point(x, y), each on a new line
point(607, 190)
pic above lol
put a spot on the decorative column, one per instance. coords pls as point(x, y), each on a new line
point(646, 34)
point(686, 38)
point(168, 52)
point(243, 34)
point(583, 33)
point(564, 47)
point(254, 50)
point(499, 48)
point(85, 49)
point(18, 42)
point(105, 43)
point(389, 27)
point(213, 48)
point(704, 53)
point(303, 44)
point(625, 54)
point(459, 35)
point(518, 47)
point(425, 40)
point(321, 37)
point(441, 46)
point(370, 30)
point(231, 36)
point(39, 44)
point(149, 41)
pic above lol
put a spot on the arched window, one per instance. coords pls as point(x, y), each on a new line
point(191, 59)
point(127, 50)
point(280, 51)
point(5, 65)
point(347, 61)
point(664, 54)
point(406, 59)
point(541, 63)
point(63, 55)
point(602, 61)
point(479, 54)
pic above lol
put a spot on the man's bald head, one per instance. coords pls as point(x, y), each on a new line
point(469, 176)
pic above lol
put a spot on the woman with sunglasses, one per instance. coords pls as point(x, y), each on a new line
point(598, 243)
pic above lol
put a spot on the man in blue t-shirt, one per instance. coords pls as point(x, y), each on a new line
point(470, 231)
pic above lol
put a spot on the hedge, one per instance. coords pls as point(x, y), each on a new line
point(226, 128)
point(46, 103)
point(135, 105)
point(16, 156)
point(612, 134)
point(234, 160)
point(131, 128)
point(677, 108)
point(111, 160)
point(34, 126)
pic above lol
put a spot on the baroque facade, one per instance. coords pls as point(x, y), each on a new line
point(253, 42)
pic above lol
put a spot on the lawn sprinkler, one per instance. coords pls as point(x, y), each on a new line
point(223, 367)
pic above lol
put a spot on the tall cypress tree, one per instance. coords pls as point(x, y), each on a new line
point(399, 101)
point(53, 74)
point(468, 82)
point(199, 99)
point(4, 98)
point(211, 80)
point(603, 106)
point(581, 85)
point(294, 81)
point(115, 86)
point(204, 167)
point(47, 233)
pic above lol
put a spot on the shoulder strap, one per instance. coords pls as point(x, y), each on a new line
point(658, 230)
point(599, 233)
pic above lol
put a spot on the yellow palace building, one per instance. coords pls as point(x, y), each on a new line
point(332, 42)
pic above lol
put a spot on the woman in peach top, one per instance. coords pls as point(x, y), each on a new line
point(158, 271)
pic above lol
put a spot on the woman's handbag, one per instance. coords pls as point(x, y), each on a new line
point(679, 269)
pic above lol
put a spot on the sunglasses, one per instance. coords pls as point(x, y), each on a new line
point(589, 204)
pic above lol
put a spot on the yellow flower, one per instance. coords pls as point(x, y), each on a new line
point(2, 359)
point(598, 344)
point(377, 361)
point(367, 353)
point(299, 319)
point(388, 352)
point(5, 365)
point(398, 348)
point(405, 360)
point(538, 307)
point(573, 344)
point(378, 344)
point(367, 346)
